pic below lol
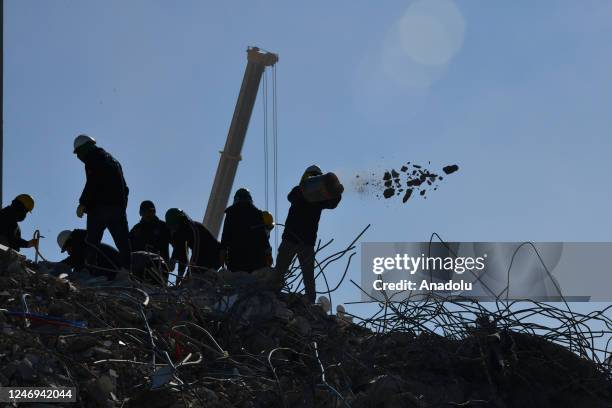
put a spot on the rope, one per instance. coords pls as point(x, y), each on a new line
point(37, 238)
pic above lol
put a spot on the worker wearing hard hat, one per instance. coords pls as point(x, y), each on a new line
point(104, 198)
point(186, 233)
point(244, 241)
point(300, 233)
point(10, 216)
point(151, 234)
point(105, 262)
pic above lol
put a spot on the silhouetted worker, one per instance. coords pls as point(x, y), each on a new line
point(300, 233)
point(186, 233)
point(151, 234)
point(244, 242)
point(105, 263)
point(10, 216)
point(104, 198)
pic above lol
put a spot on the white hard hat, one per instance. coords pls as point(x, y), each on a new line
point(63, 238)
point(325, 303)
point(81, 140)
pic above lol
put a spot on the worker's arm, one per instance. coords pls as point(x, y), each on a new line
point(179, 253)
point(89, 189)
point(295, 195)
point(19, 242)
point(165, 242)
point(331, 204)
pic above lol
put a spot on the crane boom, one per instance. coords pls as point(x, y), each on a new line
point(257, 62)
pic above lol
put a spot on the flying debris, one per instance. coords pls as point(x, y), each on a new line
point(393, 183)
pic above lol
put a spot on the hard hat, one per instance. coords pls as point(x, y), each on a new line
point(26, 200)
point(174, 217)
point(268, 220)
point(63, 238)
point(242, 195)
point(82, 140)
point(146, 205)
point(313, 170)
point(325, 303)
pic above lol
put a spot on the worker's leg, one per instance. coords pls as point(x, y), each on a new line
point(118, 227)
point(306, 256)
point(96, 224)
point(286, 252)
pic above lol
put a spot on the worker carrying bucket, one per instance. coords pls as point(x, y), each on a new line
point(315, 193)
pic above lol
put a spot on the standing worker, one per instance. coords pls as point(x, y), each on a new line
point(151, 234)
point(244, 242)
point(104, 199)
point(10, 216)
point(186, 233)
point(300, 234)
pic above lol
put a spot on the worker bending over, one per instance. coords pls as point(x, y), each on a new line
point(104, 199)
point(300, 234)
point(151, 234)
point(188, 234)
point(10, 216)
point(244, 241)
point(105, 262)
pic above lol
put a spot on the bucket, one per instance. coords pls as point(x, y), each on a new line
point(321, 188)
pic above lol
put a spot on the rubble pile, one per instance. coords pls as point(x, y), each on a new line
point(223, 340)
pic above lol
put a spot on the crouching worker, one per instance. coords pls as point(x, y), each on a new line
point(244, 242)
point(10, 216)
point(105, 262)
point(188, 234)
point(315, 193)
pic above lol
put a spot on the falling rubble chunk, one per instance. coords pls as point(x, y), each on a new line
point(450, 169)
point(407, 195)
point(389, 192)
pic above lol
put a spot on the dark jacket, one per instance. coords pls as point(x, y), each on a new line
point(152, 236)
point(107, 257)
point(204, 246)
point(10, 233)
point(244, 238)
point(105, 184)
point(302, 221)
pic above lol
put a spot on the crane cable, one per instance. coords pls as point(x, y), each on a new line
point(275, 138)
point(266, 143)
point(265, 121)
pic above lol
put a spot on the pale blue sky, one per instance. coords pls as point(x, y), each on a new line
point(519, 96)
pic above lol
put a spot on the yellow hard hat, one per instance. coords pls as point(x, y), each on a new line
point(26, 200)
point(268, 220)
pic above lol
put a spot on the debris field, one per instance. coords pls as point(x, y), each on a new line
point(224, 340)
